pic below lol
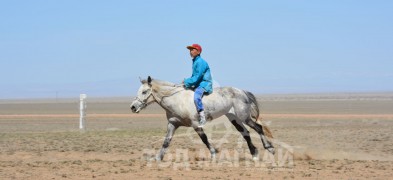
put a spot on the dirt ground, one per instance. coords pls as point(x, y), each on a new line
point(317, 136)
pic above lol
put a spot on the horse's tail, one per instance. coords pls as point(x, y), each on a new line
point(255, 114)
point(265, 128)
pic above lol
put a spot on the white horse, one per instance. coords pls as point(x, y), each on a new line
point(239, 106)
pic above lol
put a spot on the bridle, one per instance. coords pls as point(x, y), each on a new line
point(144, 102)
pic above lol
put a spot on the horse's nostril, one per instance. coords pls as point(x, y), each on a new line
point(133, 108)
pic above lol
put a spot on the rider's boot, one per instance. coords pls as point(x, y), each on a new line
point(202, 119)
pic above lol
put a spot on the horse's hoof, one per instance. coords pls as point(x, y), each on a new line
point(255, 155)
point(213, 156)
point(271, 150)
point(158, 158)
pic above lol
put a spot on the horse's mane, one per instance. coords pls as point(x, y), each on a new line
point(165, 88)
point(163, 83)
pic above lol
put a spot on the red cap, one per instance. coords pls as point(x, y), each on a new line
point(195, 46)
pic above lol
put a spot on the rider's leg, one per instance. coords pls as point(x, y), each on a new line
point(198, 94)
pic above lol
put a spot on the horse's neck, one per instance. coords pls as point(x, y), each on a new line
point(165, 91)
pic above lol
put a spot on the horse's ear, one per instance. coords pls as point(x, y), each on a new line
point(143, 81)
point(149, 80)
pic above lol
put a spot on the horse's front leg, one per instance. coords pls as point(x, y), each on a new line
point(170, 131)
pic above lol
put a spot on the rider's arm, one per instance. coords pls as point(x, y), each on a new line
point(197, 75)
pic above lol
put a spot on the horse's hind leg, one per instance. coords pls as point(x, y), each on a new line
point(245, 133)
point(203, 137)
point(258, 128)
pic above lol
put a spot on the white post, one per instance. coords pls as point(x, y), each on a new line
point(82, 109)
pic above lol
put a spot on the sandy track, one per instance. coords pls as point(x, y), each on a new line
point(330, 140)
point(331, 149)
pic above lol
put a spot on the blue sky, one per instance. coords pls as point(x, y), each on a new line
point(102, 47)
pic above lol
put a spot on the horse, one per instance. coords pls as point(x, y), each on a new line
point(239, 106)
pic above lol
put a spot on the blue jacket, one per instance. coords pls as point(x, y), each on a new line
point(201, 76)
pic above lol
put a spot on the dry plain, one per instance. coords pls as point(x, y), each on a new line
point(317, 136)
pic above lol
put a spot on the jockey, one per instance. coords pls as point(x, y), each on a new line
point(200, 81)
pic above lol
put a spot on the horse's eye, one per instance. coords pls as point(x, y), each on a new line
point(144, 92)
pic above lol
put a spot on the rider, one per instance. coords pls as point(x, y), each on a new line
point(200, 81)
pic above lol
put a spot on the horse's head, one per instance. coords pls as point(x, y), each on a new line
point(144, 96)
